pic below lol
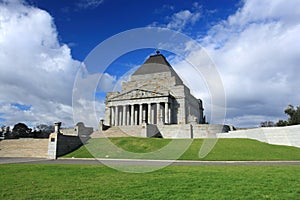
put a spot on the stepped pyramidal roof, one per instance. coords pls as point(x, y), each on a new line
point(154, 64)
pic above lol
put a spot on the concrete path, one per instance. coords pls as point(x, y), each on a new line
point(7, 160)
point(137, 162)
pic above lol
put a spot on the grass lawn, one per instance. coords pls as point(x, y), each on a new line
point(225, 149)
point(28, 181)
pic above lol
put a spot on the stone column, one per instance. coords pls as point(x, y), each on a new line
point(117, 116)
point(127, 116)
point(141, 114)
point(132, 115)
point(149, 113)
point(144, 116)
point(166, 112)
point(57, 127)
point(152, 116)
point(111, 116)
point(170, 116)
point(135, 117)
point(124, 115)
point(157, 113)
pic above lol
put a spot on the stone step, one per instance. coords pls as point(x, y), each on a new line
point(134, 131)
point(24, 148)
point(111, 132)
point(119, 131)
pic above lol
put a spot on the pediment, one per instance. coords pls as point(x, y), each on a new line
point(138, 94)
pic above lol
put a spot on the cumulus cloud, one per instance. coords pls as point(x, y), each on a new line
point(181, 19)
point(198, 73)
point(257, 53)
point(89, 95)
point(35, 70)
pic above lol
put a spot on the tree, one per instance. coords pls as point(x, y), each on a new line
point(5, 132)
point(21, 130)
point(267, 124)
point(282, 123)
point(43, 130)
point(2, 131)
point(294, 116)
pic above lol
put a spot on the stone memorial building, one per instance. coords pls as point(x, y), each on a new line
point(155, 94)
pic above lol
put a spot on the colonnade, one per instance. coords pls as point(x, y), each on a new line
point(136, 114)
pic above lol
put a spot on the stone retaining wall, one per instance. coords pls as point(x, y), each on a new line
point(186, 130)
point(289, 135)
point(24, 147)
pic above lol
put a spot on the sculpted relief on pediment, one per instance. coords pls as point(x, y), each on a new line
point(137, 94)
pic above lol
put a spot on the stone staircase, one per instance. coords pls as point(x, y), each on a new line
point(111, 132)
point(28, 147)
point(119, 131)
point(134, 131)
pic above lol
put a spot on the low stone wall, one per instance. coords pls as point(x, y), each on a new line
point(78, 130)
point(187, 130)
point(289, 135)
point(61, 143)
point(67, 144)
point(175, 131)
point(150, 130)
point(208, 130)
point(24, 147)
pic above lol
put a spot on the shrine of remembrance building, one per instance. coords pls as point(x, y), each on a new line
point(155, 94)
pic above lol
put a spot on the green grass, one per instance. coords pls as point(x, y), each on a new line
point(99, 147)
point(225, 149)
point(243, 149)
point(27, 181)
point(141, 145)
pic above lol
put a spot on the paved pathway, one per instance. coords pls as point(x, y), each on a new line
point(6, 160)
point(138, 162)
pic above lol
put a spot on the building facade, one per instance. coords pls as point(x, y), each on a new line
point(155, 94)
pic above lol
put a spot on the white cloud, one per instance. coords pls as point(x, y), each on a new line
point(88, 111)
point(35, 69)
point(181, 19)
point(88, 100)
point(89, 4)
point(163, 8)
point(257, 53)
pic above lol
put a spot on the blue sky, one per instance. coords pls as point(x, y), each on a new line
point(83, 26)
point(253, 43)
